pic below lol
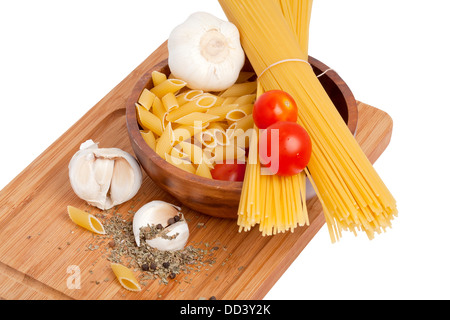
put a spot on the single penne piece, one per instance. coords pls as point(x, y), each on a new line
point(195, 152)
point(207, 139)
point(182, 133)
point(244, 123)
point(219, 133)
point(164, 143)
point(149, 138)
point(200, 104)
point(148, 120)
point(196, 118)
point(222, 111)
point(227, 100)
point(146, 99)
point(180, 163)
point(235, 115)
point(126, 277)
point(169, 85)
point(177, 152)
point(239, 113)
point(170, 102)
point(239, 89)
point(86, 220)
point(158, 108)
point(219, 101)
point(244, 76)
point(203, 171)
point(158, 78)
point(246, 108)
point(246, 99)
point(187, 96)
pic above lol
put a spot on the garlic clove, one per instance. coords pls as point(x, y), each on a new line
point(103, 171)
point(104, 177)
point(180, 228)
point(159, 212)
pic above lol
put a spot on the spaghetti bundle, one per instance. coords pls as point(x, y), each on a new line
point(276, 203)
point(352, 194)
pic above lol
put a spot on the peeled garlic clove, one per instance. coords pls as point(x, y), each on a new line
point(159, 212)
point(104, 177)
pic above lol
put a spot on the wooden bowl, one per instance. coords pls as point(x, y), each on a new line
point(214, 197)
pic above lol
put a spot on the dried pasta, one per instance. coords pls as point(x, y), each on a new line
point(353, 196)
point(85, 220)
point(194, 130)
point(126, 277)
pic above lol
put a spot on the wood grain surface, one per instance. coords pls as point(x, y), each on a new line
point(38, 241)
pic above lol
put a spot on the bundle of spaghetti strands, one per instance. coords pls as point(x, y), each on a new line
point(353, 196)
point(276, 203)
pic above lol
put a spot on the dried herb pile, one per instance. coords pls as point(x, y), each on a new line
point(154, 264)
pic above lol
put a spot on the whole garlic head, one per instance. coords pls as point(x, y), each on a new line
point(104, 177)
point(206, 52)
point(172, 234)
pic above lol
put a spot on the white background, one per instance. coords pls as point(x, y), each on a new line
point(59, 58)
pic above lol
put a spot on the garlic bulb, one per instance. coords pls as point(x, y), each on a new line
point(104, 177)
point(206, 52)
point(169, 229)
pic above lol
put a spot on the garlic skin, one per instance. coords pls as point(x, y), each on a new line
point(104, 177)
point(159, 212)
point(206, 52)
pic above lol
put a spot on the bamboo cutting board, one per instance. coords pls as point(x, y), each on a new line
point(38, 241)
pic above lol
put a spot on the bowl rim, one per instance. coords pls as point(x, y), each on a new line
point(146, 79)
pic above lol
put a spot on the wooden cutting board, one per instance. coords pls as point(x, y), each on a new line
point(38, 241)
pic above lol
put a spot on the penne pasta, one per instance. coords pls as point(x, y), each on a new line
point(187, 96)
point(196, 118)
point(245, 76)
point(164, 143)
point(126, 277)
point(158, 109)
point(148, 120)
point(149, 138)
point(180, 163)
point(182, 133)
point(194, 152)
point(219, 133)
point(177, 152)
point(235, 115)
point(222, 111)
point(193, 129)
point(229, 152)
point(201, 104)
point(168, 86)
point(245, 123)
point(158, 78)
point(169, 102)
point(203, 171)
point(246, 99)
point(239, 90)
point(146, 98)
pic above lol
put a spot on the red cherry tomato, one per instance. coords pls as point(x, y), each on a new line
point(294, 148)
point(229, 171)
point(273, 106)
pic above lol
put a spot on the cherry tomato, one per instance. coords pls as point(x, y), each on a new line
point(294, 148)
point(229, 171)
point(273, 106)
